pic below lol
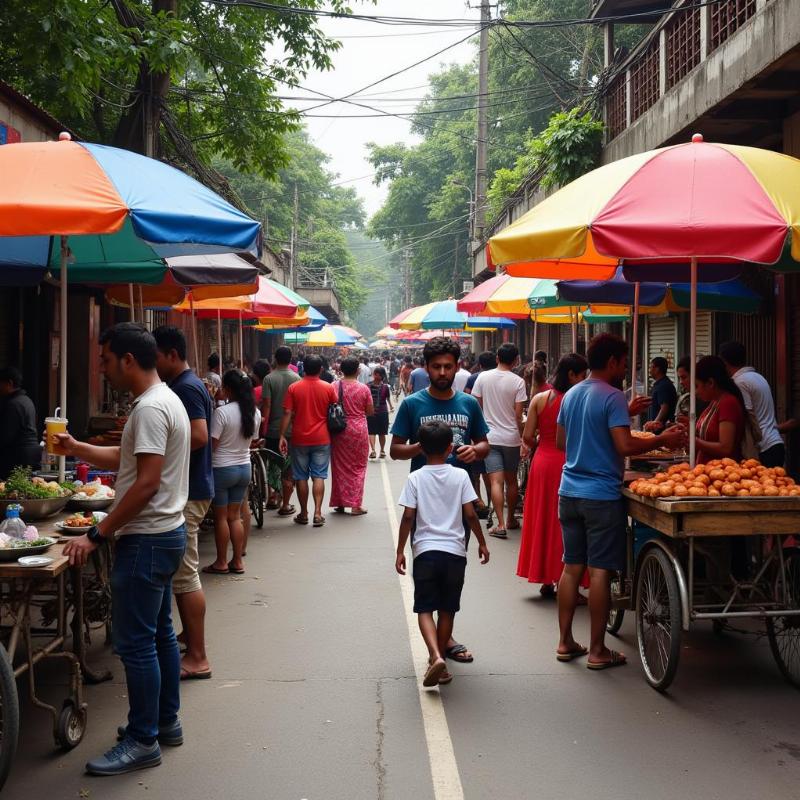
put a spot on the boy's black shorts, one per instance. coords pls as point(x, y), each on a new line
point(438, 581)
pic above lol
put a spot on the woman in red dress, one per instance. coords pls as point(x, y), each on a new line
point(721, 426)
point(541, 548)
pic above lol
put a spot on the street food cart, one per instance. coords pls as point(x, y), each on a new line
point(681, 574)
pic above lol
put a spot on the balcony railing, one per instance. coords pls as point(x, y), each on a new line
point(674, 47)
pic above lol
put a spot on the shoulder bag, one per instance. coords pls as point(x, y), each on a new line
point(337, 419)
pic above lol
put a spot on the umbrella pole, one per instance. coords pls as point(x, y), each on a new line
point(573, 314)
point(219, 335)
point(141, 305)
point(241, 343)
point(535, 338)
point(693, 364)
point(635, 338)
point(194, 335)
point(62, 356)
point(131, 303)
point(587, 332)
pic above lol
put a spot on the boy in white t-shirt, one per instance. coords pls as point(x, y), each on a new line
point(438, 541)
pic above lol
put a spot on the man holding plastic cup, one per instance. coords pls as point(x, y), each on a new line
point(147, 522)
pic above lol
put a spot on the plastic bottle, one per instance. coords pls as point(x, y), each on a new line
point(12, 525)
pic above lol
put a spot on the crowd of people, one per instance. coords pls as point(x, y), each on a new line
point(186, 451)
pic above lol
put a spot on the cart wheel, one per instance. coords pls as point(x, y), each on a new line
point(616, 615)
point(71, 726)
point(9, 716)
point(257, 496)
point(784, 632)
point(658, 619)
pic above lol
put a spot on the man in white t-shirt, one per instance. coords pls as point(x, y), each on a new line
point(758, 400)
point(501, 394)
point(152, 464)
point(461, 378)
point(364, 372)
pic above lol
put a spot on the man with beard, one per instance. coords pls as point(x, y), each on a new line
point(458, 410)
point(594, 431)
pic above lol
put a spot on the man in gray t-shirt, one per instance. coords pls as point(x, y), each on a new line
point(147, 520)
point(275, 386)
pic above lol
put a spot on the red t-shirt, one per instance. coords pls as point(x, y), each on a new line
point(309, 398)
point(727, 409)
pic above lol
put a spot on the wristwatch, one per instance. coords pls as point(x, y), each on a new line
point(94, 535)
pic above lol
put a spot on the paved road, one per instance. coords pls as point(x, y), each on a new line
point(315, 696)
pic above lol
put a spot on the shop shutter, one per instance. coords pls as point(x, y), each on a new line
point(564, 341)
point(662, 340)
point(705, 343)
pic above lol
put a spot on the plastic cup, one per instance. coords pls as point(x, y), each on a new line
point(52, 426)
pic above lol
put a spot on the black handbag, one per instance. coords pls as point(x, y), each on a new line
point(337, 420)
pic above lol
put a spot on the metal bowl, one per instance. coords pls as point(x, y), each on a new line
point(36, 509)
point(89, 504)
point(13, 553)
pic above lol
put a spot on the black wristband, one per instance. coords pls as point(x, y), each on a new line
point(94, 535)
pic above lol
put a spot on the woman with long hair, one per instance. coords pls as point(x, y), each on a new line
point(541, 547)
point(234, 425)
point(350, 448)
point(378, 423)
point(721, 426)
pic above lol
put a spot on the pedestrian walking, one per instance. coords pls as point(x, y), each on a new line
point(174, 370)
point(462, 377)
point(419, 378)
point(437, 502)
point(501, 395)
point(152, 488)
point(378, 423)
point(349, 449)
point(305, 411)
point(234, 426)
point(458, 410)
point(594, 431)
point(541, 549)
point(406, 369)
point(364, 372)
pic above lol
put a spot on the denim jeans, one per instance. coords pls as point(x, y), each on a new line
point(141, 588)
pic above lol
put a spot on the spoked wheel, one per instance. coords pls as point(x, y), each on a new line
point(784, 632)
point(258, 492)
point(9, 716)
point(616, 615)
point(658, 619)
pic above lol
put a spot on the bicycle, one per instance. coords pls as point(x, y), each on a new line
point(257, 491)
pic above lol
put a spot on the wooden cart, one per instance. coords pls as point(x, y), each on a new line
point(683, 575)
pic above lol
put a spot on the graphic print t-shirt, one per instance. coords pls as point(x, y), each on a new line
point(461, 412)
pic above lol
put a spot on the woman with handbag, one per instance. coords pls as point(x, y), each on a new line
point(721, 426)
point(350, 447)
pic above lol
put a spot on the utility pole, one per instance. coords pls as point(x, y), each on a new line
point(293, 242)
point(407, 277)
point(481, 147)
point(455, 267)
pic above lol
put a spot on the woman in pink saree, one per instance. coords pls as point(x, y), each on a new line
point(350, 448)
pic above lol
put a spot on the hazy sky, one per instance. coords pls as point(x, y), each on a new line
point(367, 58)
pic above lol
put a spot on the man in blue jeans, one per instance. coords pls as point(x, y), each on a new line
point(594, 430)
point(152, 464)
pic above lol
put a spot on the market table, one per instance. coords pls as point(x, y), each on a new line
point(682, 573)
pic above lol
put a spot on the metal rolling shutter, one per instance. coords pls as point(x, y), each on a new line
point(662, 340)
point(705, 342)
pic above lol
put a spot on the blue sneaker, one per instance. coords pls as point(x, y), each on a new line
point(127, 756)
point(168, 735)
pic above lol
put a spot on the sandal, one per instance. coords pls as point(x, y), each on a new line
point(301, 519)
point(318, 521)
point(579, 651)
point(498, 533)
point(617, 660)
point(271, 506)
point(513, 525)
point(372, 454)
point(358, 512)
point(286, 512)
point(457, 650)
point(434, 672)
point(233, 569)
point(383, 454)
point(212, 570)
point(445, 679)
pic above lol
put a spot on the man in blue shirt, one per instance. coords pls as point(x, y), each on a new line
point(458, 410)
point(594, 431)
point(418, 379)
point(175, 371)
point(665, 397)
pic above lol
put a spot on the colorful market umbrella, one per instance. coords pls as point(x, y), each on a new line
point(315, 320)
point(507, 296)
point(351, 331)
point(103, 210)
point(386, 332)
point(329, 336)
point(693, 204)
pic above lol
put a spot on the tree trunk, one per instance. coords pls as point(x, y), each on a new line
point(138, 127)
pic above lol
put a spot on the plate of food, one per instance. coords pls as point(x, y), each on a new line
point(12, 549)
point(77, 524)
point(38, 497)
point(92, 496)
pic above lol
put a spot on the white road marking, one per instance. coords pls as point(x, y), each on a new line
point(444, 769)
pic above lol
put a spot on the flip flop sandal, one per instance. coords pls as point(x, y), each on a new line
point(572, 654)
point(286, 512)
point(617, 660)
point(458, 650)
point(358, 513)
point(383, 455)
point(338, 510)
point(233, 569)
point(372, 455)
point(271, 506)
point(514, 527)
point(433, 673)
point(319, 522)
point(300, 519)
point(445, 679)
point(188, 675)
point(498, 533)
point(212, 570)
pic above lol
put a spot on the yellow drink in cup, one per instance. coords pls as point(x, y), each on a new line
point(52, 426)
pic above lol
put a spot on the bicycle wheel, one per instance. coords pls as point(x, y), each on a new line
point(9, 716)
point(258, 491)
point(784, 632)
point(658, 619)
point(616, 615)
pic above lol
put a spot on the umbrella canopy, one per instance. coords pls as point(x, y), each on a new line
point(359, 346)
point(122, 213)
point(445, 315)
point(386, 332)
point(329, 336)
point(314, 321)
point(351, 331)
point(271, 300)
point(411, 319)
point(205, 276)
point(489, 324)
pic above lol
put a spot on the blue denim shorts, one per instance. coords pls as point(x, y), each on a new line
point(310, 461)
point(593, 532)
point(230, 484)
